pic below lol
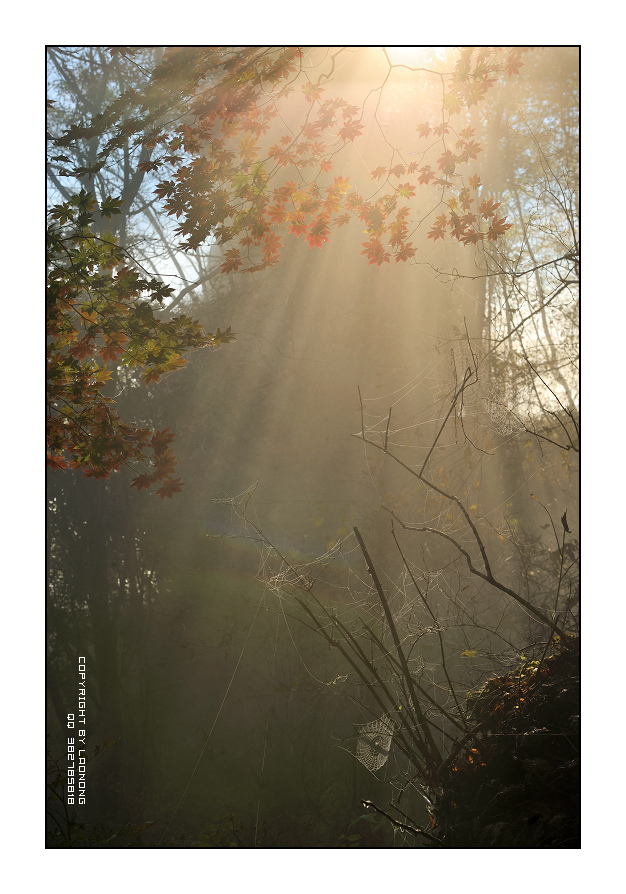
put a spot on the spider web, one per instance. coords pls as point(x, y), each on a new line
point(374, 742)
point(497, 401)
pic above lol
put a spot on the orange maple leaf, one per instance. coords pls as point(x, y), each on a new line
point(436, 233)
point(407, 251)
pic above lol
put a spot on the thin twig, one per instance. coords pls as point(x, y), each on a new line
point(405, 828)
point(387, 431)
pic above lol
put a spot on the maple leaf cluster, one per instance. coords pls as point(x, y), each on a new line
point(100, 314)
point(224, 165)
point(226, 189)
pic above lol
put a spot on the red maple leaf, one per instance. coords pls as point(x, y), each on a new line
point(426, 175)
point(470, 237)
point(111, 352)
point(375, 252)
point(318, 233)
point(81, 350)
point(161, 439)
point(296, 224)
point(447, 162)
point(169, 488)
point(436, 233)
point(55, 462)
point(141, 481)
point(350, 131)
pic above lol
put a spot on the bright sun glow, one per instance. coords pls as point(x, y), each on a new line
point(414, 56)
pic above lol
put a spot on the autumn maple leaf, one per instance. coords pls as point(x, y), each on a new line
point(111, 352)
point(318, 233)
point(55, 461)
point(232, 261)
point(342, 219)
point(296, 224)
point(81, 350)
point(467, 133)
point(487, 207)
point(170, 488)
point(161, 439)
point(276, 213)
point(312, 91)
point(375, 252)
point(271, 246)
point(447, 163)
point(406, 190)
point(471, 237)
point(470, 150)
point(407, 251)
point(350, 131)
point(141, 481)
point(436, 233)
point(341, 184)
point(498, 228)
point(426, 174)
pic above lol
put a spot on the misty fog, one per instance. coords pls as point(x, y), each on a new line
point(243, 684)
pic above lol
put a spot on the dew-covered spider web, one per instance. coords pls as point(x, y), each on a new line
point(497, 400)
point(374, 742)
